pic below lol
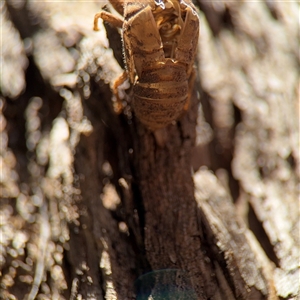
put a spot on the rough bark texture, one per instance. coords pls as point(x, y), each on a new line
point(94, 206)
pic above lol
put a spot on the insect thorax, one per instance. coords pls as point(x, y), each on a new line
point(169, 16)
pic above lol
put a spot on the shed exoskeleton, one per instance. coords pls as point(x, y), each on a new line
point(159, 43)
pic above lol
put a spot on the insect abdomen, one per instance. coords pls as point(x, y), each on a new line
point(160, 94)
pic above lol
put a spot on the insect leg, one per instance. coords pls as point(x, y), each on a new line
point(118, 107)
point(108, 17)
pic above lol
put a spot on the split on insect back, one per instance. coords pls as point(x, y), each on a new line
point(159, 43)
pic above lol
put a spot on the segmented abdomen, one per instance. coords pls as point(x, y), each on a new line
point(160, 94)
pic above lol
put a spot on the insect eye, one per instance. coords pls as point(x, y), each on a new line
point(165, 284)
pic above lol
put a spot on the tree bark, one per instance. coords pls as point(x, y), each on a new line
point(95, 206)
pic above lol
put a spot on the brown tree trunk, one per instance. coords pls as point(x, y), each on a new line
point(95, 206)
